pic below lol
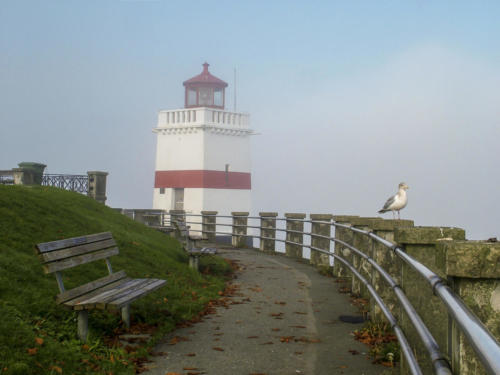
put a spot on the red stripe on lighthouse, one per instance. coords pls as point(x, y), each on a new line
point(203, 179)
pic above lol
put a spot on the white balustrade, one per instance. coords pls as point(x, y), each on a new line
point(200, 116)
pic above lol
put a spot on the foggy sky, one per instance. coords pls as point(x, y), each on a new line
point(348, 99)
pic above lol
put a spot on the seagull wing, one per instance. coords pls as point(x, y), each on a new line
point(388, 204)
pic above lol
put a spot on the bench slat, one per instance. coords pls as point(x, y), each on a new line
point(69, 242)
point(91, 302)
point(141, 284)
point(135, 295)
point(89, 287)
point(81, 259)
point(77, 250)
point(74, 303)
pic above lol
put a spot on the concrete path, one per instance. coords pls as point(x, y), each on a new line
point(281, 320)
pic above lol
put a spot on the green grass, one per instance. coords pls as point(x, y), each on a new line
point(39, 337)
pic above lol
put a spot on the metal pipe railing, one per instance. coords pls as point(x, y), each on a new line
point(481, 340)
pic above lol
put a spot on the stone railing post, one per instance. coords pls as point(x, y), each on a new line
point(209, 225)
point(320, 226)
point(268, 229)
point(364, 244)
point(345, 235)
point(177, 216)
point(473, 271)
point(294, 225)
point(420, 243)
point(97, 186)
point(239, 235)
point(386, 258)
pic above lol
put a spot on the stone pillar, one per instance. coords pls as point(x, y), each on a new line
point(292, 224)
point(420, 243)
point(473, 270)
point(345, 235)
point(33, 172)
point(364, 244)
point(321, 261)
point(386, 258)
point(97, 185)
point(268, 229)
point(209, 225)
point(240, 222)
point(179, 216)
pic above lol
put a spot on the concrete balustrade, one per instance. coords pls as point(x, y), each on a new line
point(292, 226)
point(268, 229)
point(421, 244)
point(363, 243)
point(345, 235)
point(389, 262)
point(209, 225)
point(320, 226)
point(239, 232)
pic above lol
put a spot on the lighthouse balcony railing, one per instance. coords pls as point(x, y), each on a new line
point(202, 115)
point(276, 230)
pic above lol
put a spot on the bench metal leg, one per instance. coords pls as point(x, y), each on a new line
point(83, 325)
point(194, 262)
point(126, 315)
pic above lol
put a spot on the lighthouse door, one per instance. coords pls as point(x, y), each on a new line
point(178, 198)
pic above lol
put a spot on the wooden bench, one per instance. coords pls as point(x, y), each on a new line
point(189, 244)
point(113, 292)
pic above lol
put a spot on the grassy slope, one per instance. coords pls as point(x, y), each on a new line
point(36, 335)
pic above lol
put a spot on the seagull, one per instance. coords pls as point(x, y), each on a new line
point(396, 202)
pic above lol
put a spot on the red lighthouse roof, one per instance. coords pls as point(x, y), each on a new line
point(205, 78)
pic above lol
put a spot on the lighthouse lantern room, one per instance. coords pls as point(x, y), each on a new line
point(203, 152)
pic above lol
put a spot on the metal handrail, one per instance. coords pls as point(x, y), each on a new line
point(481, 340)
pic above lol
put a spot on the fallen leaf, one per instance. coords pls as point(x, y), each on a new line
point(39, 340)
point(190, 368)
point(286, 338)
point(218, 349)
point(276, 329)
point(32, 351)
point(190, 354)
point(56, 369)
point(252, 337)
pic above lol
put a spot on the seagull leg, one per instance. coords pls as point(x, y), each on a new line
point(399, 216)
point(393, 215)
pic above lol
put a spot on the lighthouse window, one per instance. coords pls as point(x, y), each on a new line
point(218, 97)
point(191, 97)
point(205, 96)
point(162, 190)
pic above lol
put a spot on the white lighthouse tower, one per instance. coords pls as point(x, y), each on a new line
point(203, 152)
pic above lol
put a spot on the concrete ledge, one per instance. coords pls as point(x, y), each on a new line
point(321, 216)
point(295, 216)
point(470, 259)
point(344, 218)
point(209, 212)
point(427, 235)
point(389, 225)
point(268, 214)
point(237, 213)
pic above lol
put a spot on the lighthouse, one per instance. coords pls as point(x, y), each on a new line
point(203, 152)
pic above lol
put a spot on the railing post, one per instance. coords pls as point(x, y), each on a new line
point(389, 262)
point(268, 229)
point(239, 235)
point(97, 186)
point(346, 236)
point(292, 224)
point(209, 225)
point(362, 243)
point(420, 243)
point(321, 261)
point(473, 270)
point(179, 216)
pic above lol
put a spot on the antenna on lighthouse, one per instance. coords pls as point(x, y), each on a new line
point(235, 89)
